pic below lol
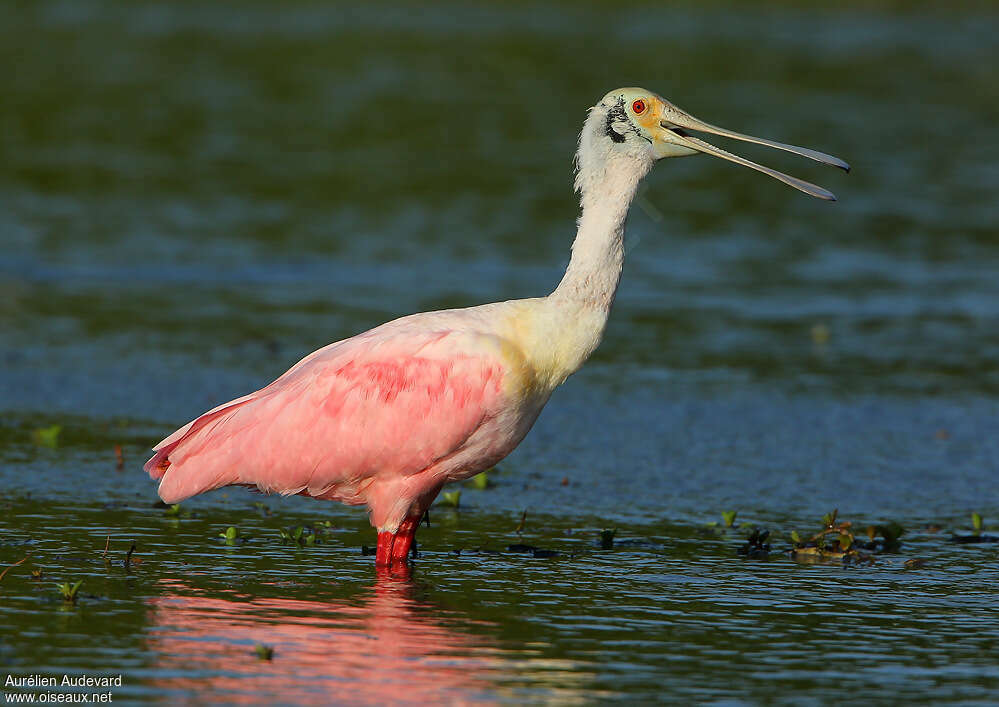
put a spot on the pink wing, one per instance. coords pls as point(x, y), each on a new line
point(379, 404)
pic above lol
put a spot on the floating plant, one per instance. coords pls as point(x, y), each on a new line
point(305, 535)
point(757, 547)
point(69, 591)
point(175, 511)
point(607, 539)
point(19, 562)
point(835, 542)
point(977, 537)
point(47, 436)
point(480, 481)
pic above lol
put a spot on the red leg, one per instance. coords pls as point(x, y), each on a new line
point(383, 555)
point(393, 548)
point(404, 540)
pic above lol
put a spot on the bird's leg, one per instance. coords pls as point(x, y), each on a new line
point(383, 555)
point(404, 539)
point(393, 548)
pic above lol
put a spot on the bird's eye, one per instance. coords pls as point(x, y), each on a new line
point(638, 106)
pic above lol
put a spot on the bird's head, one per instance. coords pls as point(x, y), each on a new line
point(647, 127)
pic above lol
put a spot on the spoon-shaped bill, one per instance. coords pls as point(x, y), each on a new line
point(676, 122)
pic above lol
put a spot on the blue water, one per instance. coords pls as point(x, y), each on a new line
point(195, 197)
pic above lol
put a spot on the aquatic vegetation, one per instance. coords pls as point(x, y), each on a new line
point(480, 481)
point(819, 334)
point(47, 436)
point(607, 539)
point(451, 498)
point(756, 547)
point(834, 542)
point(175, 511)
point(977, 536)
point(230, 535)
point(69, 591)
point(884, 538)
point(728, 517)
point(264, 652)
point(8, 569)
point(305, 535)
point(129, 560)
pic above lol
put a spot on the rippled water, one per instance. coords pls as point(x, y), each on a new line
point(193, 197)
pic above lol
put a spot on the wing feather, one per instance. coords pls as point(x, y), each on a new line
point(374, 405)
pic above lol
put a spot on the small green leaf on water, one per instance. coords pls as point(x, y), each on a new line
point(69, 591)
point(47, 436)
point(891, 532)
point(173, 511)
point(263, 652)
point(230, 534)
point(481, 481)
point(820, 334)
point(451, 498)
point(795, 538)
point(729, 518)
point(976, 522)
point(845, 541)
point(310, 540)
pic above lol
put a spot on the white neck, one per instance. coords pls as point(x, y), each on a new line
point(608, 177)
point(598, 250)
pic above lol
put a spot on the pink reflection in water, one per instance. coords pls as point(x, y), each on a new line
point(384, 650)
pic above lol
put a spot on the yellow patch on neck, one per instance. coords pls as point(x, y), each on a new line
point(545, 342)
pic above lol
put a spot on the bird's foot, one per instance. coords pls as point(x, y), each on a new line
point(394, 548)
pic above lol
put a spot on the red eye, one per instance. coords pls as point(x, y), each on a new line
point(638, 106)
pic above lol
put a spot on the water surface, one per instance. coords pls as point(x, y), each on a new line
point(194, 197)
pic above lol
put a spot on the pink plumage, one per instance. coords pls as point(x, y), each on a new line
point(372, 420)
point(387, 417)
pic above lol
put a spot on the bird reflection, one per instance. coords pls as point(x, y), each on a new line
point(384, 648)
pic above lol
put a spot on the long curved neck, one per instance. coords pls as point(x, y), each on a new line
point(578, 308)
point(594, 270)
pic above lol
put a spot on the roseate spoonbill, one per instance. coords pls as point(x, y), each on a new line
point(387, 417)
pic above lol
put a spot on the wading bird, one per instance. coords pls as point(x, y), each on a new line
point(387, 417)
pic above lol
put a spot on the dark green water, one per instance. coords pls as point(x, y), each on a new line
point(193, 196)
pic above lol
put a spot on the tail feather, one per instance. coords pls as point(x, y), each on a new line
point(173, 489)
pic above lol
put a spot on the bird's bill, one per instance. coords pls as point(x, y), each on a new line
point(673, 140)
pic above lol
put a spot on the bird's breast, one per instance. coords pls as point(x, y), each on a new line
point(548, 342)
